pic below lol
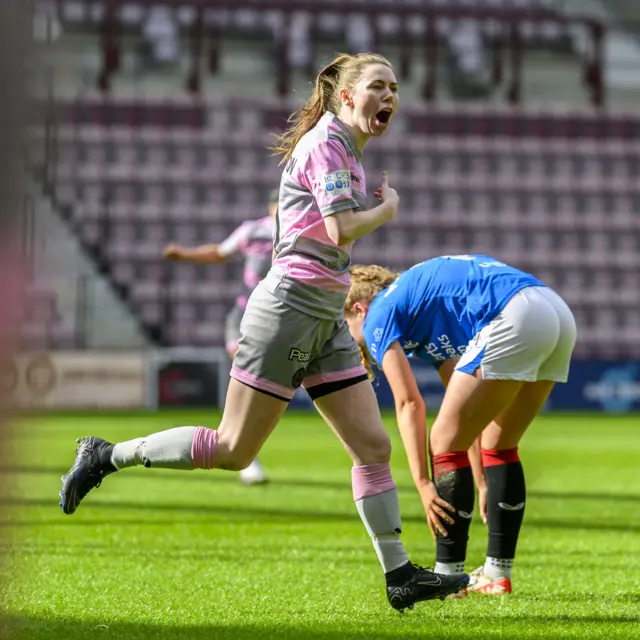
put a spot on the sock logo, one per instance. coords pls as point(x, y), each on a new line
point(511, 507)
point(465, 514)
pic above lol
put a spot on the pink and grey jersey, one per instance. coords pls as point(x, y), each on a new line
point(324, 176)
point(254, 240)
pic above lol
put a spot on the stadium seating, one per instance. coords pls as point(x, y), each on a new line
point(42, 326)
point(556, 193)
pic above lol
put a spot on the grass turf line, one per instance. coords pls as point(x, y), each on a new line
point(162, 554)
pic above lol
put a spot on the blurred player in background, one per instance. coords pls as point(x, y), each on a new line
point(293, 329)
point(500, 340)
point(253, 239)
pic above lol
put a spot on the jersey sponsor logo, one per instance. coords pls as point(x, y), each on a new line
point(446, 346)
point(409, 345)
point(443, 349)
point(465, 514)
point(337, 183)
point(432, 350)
point(299, 356)
point(378, 332)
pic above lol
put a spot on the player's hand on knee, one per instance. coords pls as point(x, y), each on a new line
point(436, 510)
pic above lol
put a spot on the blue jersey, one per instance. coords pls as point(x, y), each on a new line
point(435, 308)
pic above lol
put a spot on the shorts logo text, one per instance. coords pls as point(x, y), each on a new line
point(299, 356)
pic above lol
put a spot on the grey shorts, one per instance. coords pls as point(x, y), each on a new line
point(232, 327)
point(281, 348)
point(531, 339)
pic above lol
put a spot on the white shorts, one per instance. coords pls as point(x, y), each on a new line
point(531, 339)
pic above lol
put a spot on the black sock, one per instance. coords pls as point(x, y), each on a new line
point(399, 576)
point(104, 455)
point(506, 496)
point(454, 482)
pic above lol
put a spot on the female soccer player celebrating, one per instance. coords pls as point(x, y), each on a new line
point(500, 339)
point(293, 329)
point(254, 240)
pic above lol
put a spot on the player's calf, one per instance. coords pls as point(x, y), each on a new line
point(506, 498)
point(454, 481)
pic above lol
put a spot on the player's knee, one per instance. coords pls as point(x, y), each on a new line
point(377, 449)
point(383, 451)
point(441, 440)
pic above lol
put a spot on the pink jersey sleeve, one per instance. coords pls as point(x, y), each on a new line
point(237, 242)
point(327, 173)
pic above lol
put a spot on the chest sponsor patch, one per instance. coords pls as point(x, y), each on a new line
point(337, 183)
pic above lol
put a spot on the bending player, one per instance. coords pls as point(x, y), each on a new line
point(293, 330)
point(253, 239)
point(500, 340)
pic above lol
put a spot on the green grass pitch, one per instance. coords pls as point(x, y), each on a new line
point(195, 555)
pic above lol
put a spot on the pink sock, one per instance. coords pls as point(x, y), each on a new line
point(377, 502)
point(371, 479)
point(203, 448)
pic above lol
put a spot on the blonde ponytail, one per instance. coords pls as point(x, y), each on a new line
point(367, 361)
point(366, 283)
point(342, 73)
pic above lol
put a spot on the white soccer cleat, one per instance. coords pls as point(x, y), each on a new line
point(488, 586)
point(253, 474)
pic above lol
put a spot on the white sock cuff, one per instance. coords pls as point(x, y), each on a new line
point(449, 568)
point(498, 567)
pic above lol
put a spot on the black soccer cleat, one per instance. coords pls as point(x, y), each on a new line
point(91, 465)
point(424, 585)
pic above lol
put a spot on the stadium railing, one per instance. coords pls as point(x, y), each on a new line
point(508, 46)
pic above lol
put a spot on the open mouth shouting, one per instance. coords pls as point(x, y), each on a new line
point(383, 117)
